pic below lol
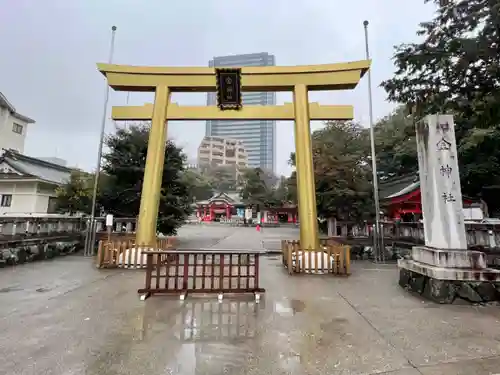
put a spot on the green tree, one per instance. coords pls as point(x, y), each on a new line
point(342, 171)
point(279, 194)
point(253, 187)
point(124, 164)
point(456, 69)
point(291, 186)
point(395, 144)
point(75, 196)
point(222, 178)
point(200, 185)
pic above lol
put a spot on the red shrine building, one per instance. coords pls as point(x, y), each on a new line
point(229, 205)
point(221, 205)
point(400, 199)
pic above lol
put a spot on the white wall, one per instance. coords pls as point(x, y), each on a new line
point(27, 197)
point(44, 193)
point(473, 213)
point(41, 203)
point(9, 138)
point(23, 196)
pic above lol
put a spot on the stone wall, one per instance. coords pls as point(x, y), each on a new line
point(23, 252)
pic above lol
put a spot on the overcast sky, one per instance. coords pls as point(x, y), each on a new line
point(50, 48)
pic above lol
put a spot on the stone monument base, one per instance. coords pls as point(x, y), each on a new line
point(449, 276)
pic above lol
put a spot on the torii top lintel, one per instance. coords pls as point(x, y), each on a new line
point(340, 76)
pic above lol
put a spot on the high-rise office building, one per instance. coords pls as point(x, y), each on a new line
point(258, 137)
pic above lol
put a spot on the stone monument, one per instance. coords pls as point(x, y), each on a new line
point(444, 269)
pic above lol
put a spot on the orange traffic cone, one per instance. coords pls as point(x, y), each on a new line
point(258, 228)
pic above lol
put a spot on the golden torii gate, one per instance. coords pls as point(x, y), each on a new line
point(298, 79)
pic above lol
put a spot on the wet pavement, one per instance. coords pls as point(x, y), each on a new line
point(65, 317)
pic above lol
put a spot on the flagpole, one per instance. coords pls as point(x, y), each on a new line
point(90, 238)
point(128, 97)
point(376, 233)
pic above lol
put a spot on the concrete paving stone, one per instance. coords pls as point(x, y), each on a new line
point(320, 328)
point(372, 285)
point(404, 371)
point(65, 317)
point(482, 366)
point(438, 333)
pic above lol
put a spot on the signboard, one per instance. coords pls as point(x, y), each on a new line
point(248, 213)
point(228, 89)
point(109, 220)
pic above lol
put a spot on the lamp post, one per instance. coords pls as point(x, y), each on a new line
point(90, 238)
point(376, 233)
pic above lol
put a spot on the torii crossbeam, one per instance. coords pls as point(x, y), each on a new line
point(298, 79)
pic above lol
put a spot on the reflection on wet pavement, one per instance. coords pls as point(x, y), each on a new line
point(215, 337)
point(197, 336)
point(67, 318)
point(288, 307)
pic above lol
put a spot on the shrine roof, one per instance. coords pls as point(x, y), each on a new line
point(398, 186)
point(407, 189)
point(231, 198)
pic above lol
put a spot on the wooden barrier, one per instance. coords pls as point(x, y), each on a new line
point(202, 271)
point(125, 253)
point(330, 258)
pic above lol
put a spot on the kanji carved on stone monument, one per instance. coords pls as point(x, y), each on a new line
point(446, 170)
point(443, 145)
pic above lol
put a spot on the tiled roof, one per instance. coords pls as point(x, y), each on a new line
point(407, 189)
point(14, 176)
point(29, 166)
point(395, 187)
point(233, 198)
point(403, 185)
point(6, 104)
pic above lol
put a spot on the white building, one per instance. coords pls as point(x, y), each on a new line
point(215, 151)
point(13, 126)
point(28, 185)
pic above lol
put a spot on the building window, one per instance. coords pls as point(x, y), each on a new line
point(6, 200)
point(16, 128)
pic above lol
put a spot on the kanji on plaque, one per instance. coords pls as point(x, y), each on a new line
point(448, 197)
point(446, 170)
point(228, 84)
point(443, 145)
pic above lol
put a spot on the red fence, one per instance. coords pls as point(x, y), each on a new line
point(186, 271)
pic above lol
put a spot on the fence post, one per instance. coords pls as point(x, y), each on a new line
point(256, 272)
point(347, 260)
point(149, 271)
point(100, 255)
point(185, 276)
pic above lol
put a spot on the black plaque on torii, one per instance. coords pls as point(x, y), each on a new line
point(228, 83)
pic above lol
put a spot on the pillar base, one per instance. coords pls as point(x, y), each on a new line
point(449, 276)
point(449, 258)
